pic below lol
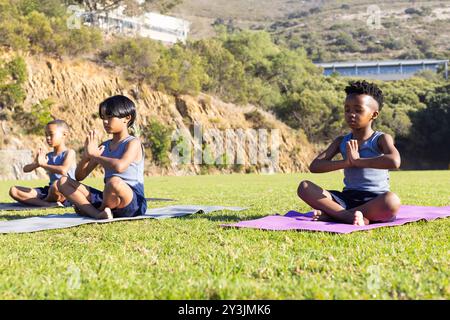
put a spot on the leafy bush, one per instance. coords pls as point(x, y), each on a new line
point(430, 129)
point(13, 75)
point(226, 74)
point(394, 43)
point(179, 71)
point(346, 42)
point(137, 57)
point(157, 137)
point(40, 27)
point(34, 122)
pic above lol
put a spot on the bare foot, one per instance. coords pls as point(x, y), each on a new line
point(105, 214)
point(359, 219)
point(318, 215)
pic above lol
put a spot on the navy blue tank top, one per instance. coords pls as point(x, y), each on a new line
point(365, 179)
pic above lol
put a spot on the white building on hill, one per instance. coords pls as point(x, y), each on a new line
point(151, 25)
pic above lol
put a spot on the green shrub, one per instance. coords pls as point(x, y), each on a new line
point(40, 27)
point(346, 42)
point(226, 74)
point(430, 129)
point(34, 122)
point(13, 75)
point(138, 57)
point(180, 71)
point(157, 137)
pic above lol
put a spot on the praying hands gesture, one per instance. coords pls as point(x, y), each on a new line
point(352, 153)
point(40, 158)
point(91, 148)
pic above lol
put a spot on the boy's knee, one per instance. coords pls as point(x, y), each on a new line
point(61, 182)
point(392, 202)
point(303, 188)
point(392, 205)
point(114, 183)
point(13, 192)
point(63, 185)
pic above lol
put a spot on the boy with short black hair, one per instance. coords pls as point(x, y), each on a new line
point(367, 156)
point(122, 158)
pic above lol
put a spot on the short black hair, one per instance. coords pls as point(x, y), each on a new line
point(118, 106)
point(364, 87)
point(59, 123)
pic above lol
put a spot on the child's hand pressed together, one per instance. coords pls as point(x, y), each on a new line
point(352, 153)
point(366, 196)
point(41, 158)
point(91, 148)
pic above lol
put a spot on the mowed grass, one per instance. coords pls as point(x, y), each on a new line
point(194, 258)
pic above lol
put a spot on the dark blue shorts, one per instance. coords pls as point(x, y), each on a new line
point(349, 199)
point(42, 192)
point(137, 206)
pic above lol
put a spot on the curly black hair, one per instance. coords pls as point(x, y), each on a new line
point(364, 87)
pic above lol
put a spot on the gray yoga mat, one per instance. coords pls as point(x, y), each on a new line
point(67, 220)
point(16, 206)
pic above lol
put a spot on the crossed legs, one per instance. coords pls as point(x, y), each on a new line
point(30, 196)
point(381, 209)
point(117, 195)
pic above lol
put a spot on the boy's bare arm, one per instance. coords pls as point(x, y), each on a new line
point(84, 167)
point(389, 160)
point(324, 163)
point(30, 167)
point(62, 169)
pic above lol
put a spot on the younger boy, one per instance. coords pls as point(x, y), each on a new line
point(60, 162)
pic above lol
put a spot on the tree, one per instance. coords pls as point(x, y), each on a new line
point(226, 74)
point(51, 8)
point(179, 71)
point(312, 111)
point(430, 131)
point(13, 75)
point(158, 138)
point(252, 49)
point(346, 42)
point(138, 57)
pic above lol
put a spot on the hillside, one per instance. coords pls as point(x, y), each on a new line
point(236, 80)
point(333, 30)
point(75, 88)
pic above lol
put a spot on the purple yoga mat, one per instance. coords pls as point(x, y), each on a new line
point(294, 220)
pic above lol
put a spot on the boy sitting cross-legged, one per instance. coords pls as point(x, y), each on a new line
point(122, 158)
point(58, 163)
point(367, 157)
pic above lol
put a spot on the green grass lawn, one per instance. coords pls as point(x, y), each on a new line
point(194, 258)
